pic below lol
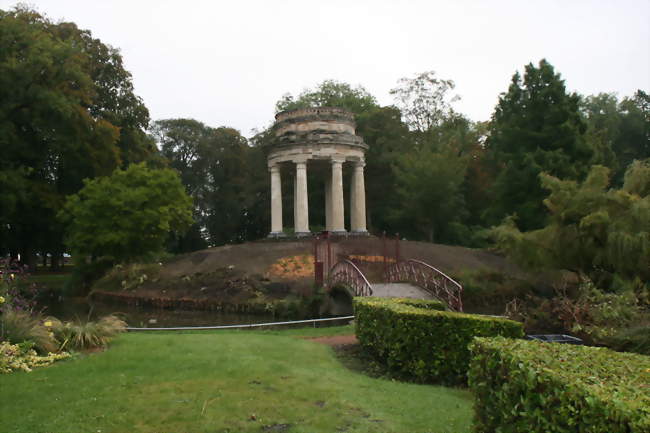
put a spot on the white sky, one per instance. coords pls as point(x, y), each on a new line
point(226, 63)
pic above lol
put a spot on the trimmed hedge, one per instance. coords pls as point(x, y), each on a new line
point(417, 339)
point(529, 386)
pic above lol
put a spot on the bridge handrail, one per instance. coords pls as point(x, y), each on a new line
point(433, 280)
point(348, 274)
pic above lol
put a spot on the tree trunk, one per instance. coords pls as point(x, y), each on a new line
point(28, 257)
point(430, 234)
point(55, 262)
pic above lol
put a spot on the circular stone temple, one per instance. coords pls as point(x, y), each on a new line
point(318, 137)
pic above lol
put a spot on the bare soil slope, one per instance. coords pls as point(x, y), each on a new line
point(254, 258)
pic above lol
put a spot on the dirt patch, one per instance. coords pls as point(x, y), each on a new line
point(255, 258)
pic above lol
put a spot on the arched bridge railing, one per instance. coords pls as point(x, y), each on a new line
point(347, 274)
point(434, 281)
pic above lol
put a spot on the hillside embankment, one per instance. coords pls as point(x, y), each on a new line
point(264, 272)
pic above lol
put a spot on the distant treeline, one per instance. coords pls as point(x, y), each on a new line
point(68, 113)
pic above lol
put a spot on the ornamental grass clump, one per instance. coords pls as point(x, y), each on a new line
point(541, 387)
point(77, 335)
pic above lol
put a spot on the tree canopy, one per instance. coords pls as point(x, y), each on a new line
point(536, 127)
point(330, 93)
point(619, 131)
point(67, 112)
point(225, 176)
point(598, 232)
point(424, 100)
point(127, 215)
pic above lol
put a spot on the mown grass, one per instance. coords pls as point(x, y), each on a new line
point(50, 281)
point(236, 381)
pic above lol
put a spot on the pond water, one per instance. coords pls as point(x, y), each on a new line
point(80, 309)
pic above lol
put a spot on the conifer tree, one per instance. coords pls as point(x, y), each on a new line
point(535, 128)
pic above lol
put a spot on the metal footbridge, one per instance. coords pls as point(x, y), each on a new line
point(405, 278)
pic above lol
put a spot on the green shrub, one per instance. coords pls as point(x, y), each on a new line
point(488, 289)
point(86, 335)
point(14, 357)
point(527, 386)
point(597, 317)
point(634, 339)
point(417, 339)
point(421, 303)
point(18, 326)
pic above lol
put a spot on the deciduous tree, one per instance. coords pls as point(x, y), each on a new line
point(425, 100)
point(225, 176)
point(67, 112)
point(127, 215)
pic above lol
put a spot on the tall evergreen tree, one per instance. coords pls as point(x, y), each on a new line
point(535, 128)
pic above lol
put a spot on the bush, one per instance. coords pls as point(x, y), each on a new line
point(15, 357)
point(491, 290)
point(634, 339)
point(527, 386)
point(18, 327)
point(86, 335)
point(417, 339)
point(597, 317)
point(15, 294)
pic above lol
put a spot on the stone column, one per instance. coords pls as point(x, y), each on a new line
point(358, 200)
point(337, 206)
point(295, 200)
point(328, 203)
point(302, 204)
point(276, 202)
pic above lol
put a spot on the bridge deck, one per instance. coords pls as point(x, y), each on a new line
point(399, 290)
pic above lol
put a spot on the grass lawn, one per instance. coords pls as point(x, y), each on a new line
point(235, 381)
point(51, 281)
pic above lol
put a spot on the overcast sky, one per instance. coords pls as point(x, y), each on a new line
point(226, 63)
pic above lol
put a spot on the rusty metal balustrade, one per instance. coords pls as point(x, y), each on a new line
point(347, 274)
point(434, 281)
